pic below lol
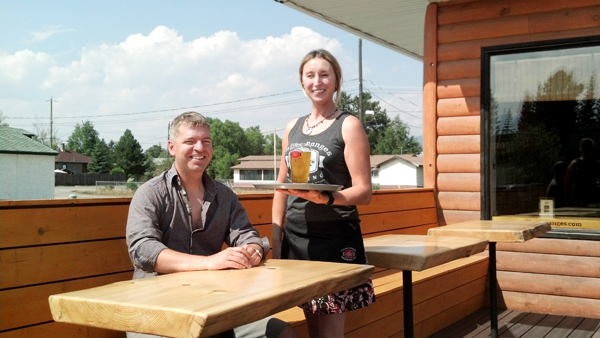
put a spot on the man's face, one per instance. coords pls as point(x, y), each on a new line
point(192, 149)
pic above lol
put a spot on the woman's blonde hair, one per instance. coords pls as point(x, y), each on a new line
point(325, 55)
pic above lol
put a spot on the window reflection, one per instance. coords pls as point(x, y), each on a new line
point(544, 131)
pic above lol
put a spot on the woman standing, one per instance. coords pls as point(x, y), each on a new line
point(324, 226)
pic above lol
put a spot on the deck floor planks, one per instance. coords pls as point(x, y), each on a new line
point(565, 327)
point(544, 326)
point(516, 324)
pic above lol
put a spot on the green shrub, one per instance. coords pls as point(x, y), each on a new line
point(117, 170)
point(131, 186)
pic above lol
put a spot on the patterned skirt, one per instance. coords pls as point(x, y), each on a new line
point(343, 301)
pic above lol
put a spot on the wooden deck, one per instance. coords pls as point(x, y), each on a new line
point(516, 324)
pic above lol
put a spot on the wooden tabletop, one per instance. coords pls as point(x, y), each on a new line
point(495, 230)
point(419, 252)
point(204, 303)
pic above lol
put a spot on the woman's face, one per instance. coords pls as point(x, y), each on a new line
point(318, 80)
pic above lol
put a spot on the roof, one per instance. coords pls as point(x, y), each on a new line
point(19, 141)
point(378, 160)
point(257, 162)
point(395, 24)
point(69, 156)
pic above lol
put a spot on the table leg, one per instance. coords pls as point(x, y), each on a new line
point(408, 303)
point(493, 291)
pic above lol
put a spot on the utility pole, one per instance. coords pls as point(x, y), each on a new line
point(275, 154)
point(51, 100)
point(360, 100)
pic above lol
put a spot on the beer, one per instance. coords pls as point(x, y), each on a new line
point(299, 166)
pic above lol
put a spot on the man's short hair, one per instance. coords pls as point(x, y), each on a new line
point(188, 119)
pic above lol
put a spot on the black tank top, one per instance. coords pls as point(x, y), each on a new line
point(318, 231)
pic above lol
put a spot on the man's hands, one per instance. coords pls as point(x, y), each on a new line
point(243, 257)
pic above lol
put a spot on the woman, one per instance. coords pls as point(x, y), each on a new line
point(324, 226)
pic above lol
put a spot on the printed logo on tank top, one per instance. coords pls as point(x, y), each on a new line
point(349, 254)
point(318, 154)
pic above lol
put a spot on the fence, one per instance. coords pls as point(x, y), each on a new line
point(86, 179)
point(117, 185)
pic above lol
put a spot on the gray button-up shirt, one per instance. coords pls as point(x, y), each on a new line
point(160, 217)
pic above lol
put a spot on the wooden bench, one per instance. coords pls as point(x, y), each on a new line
point(54, 246)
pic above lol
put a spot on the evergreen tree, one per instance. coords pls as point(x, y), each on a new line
point(588, 108)
point(83, 139)
point(129, 155)
point(101, 158)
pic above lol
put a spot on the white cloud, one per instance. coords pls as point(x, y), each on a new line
point(48, 32)
point(160, 71)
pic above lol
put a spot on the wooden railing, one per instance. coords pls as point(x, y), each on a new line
point(54, 246)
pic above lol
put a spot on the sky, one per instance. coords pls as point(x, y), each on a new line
point(137, 64)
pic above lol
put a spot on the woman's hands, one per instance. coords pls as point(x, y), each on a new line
point(314, 196)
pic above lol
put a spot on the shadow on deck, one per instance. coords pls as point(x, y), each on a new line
point(516, 324)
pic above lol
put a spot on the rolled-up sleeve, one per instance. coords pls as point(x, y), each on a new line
point(143, 233)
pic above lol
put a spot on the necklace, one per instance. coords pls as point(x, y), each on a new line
point(309, 129)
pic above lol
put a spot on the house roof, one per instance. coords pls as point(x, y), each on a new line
point(257, 162)
point(19, 141)
point(378, 160)
point(395, 24)
point(69, 156)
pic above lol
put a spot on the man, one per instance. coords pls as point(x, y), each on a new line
point(179, 220)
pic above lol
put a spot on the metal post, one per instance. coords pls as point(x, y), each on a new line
point(360, 91)
point(493, 291)
point(408, 303)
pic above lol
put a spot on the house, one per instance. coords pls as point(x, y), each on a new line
point(26, 166)
point(255, 169)
point(71, 161)
point(397, 171)
point(387, 171)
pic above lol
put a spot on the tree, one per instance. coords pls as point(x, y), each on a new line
point(156, 151)
point(101, 158)
point(129, 155)
point(255, 142)
point(2, 118)
point(42, 134)
point(374, 124)
point(396, 139)
point(268, 148)
point(83, 139)
point(229, 144)
point(587, 111)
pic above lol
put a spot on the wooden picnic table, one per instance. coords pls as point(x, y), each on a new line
point(494, 231)
point(416, 253)
point(204, 303)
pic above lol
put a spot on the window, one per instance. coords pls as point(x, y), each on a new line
point(268, 175)
point(251, 175)
point(541, 131)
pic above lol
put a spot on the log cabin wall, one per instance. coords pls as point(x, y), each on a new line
point(545, 275)
point(455, 31)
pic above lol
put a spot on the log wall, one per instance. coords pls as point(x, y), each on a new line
point(454, 36)
point(553, 276)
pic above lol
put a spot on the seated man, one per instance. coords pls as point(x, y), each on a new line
point(179, 220)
